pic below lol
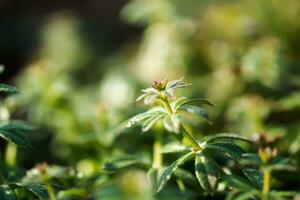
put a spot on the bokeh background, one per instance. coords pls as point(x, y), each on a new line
point(79, 65)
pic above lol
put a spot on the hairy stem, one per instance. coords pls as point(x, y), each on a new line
point(266, 183)
point(190, 138)
point(187, 135)
point(157, 156)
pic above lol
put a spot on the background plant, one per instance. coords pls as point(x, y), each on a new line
point(242, 55)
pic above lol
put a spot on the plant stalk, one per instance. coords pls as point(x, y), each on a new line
point(157, 155)
point(190, 138)
point(187, 135)
point(50, 189)
point(266, 183)
point(2, 179)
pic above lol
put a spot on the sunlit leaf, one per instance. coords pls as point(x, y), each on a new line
point(148, 124)
point(177, 84)
point(207, 172)
point(143, 116)
point(171, 123)
point(175, 148)
point(168, 172)
point(231, 150)
point(196, 110)
point(225, 136)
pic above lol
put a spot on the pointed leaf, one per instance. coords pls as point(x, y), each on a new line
point(171, 123)
point(231, 150)
point(145, 115)
point(7, 89)
point(207, 172)
point(175, 148)
point(196, 110)
point(177, 84)
point(250, 159)
point(15, 136)
point(255, 176)
point(150, 98)
point(151, 122)
point(193, 102)
point(39, 190)
point(237, 182)
point(125, 161)
point(168, 172)
point(225, 136)
point(244, 195)
point(186, 176)
point(6, 193)
point(152, 176)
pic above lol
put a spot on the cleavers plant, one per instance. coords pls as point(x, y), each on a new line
point(202, 151)
point(12, 186)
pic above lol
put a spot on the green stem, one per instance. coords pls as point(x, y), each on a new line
point(188, 136)
point(50, 190)
point(266, 183)
point(2, 179)
point(157, 156)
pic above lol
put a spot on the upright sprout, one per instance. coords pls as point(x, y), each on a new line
point(207, 171)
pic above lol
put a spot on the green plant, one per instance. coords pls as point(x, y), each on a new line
point(207, 170)
point(11, 185)
point(258, 169)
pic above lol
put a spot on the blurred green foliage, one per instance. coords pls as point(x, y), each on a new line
point(242, 55)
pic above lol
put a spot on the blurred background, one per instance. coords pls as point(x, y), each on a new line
point(79, 65)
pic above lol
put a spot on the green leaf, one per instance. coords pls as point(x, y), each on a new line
point(167, 173)
point(186, 177)
point(171, 123)
point(73, 193)
point(177, 84)
point(207, 172)
point(39, 190)
point(194, 102)
point(231, 150)
point(7, 89)
point(250, 159)
point(255, 176)
point(125, 161)
point(283, 194)
point(6, 193)
point(152, 176)
point(175, 148)
point(225, 136)
point(148, 124)
point(237, 182)
point(244, 195)
point(145, 115)
point(178, 102)
point(196, 110)
point(14, 133)
point(281, 164)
